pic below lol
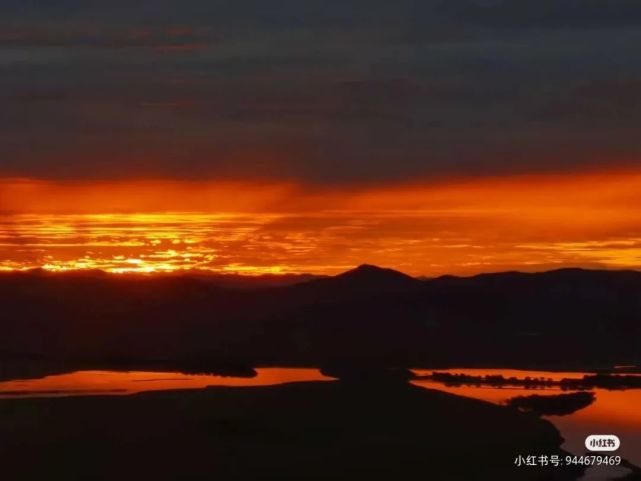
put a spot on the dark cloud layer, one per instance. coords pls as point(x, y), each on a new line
point(317, 90)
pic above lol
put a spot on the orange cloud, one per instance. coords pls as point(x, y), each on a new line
point(460, 226)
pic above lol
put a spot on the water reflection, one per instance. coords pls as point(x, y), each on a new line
point(613, 412)
point(130, 382)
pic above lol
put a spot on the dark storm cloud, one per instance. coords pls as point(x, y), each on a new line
point(325, 91)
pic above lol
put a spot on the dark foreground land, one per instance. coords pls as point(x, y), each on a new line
point(559, 405)
point(565, 319)
point(304, 431)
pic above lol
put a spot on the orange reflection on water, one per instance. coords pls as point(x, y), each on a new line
point(131, 382)
point(613, 412)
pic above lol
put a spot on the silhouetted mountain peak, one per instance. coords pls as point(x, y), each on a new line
point(375, 278)
point(370, 271)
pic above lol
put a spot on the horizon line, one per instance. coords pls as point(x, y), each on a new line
point(283, 274)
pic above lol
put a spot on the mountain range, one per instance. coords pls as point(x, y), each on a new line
point(563, 318)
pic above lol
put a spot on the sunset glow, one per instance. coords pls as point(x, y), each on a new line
point(455, 226)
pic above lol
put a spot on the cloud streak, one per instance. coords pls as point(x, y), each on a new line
point(457, 226)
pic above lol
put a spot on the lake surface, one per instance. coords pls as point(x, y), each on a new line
point(613, 412)
point(85, 383)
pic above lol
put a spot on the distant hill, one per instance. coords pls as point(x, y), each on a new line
point(369, 314)
point(373, 278)
point(214, 278)
point(362, 281)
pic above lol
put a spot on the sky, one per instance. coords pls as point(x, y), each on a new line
point(433, 136)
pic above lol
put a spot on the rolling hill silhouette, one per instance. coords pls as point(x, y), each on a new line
point(368, 314)
point(372, 278)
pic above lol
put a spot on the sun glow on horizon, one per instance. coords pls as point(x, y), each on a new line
point(460, 226)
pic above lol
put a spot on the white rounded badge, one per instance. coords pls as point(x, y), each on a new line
point(602, 442)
